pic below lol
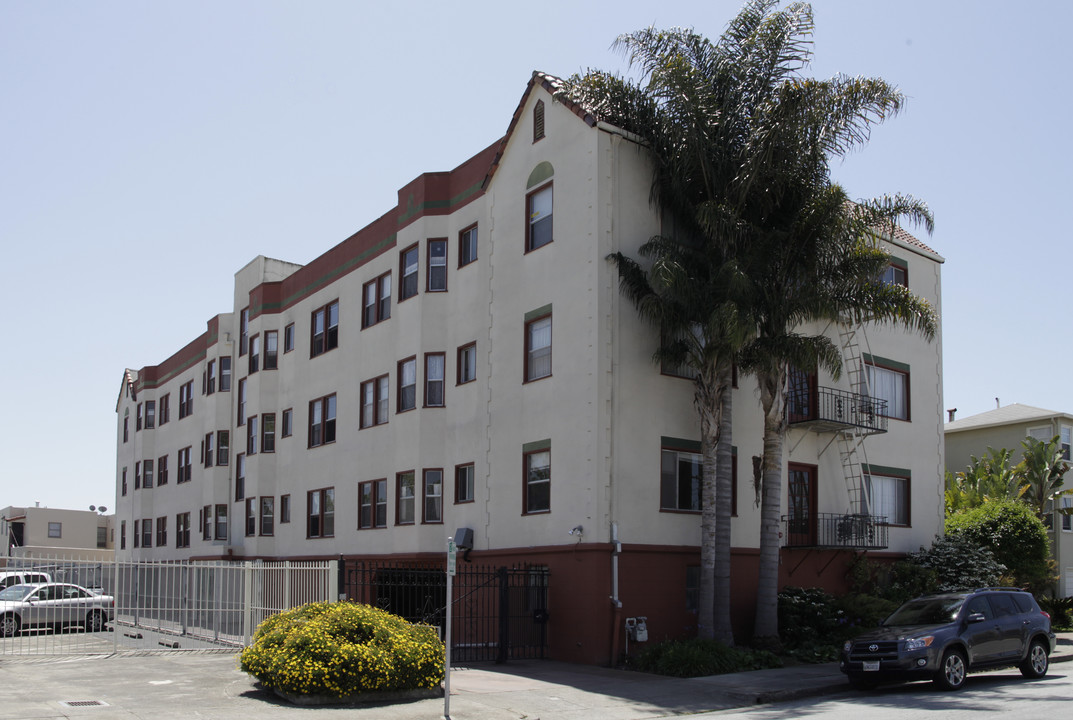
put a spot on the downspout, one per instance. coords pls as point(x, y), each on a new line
point(616, 602)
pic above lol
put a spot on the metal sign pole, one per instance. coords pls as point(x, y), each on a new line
point(452, 552)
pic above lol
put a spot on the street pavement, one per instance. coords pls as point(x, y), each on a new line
point(199, 684)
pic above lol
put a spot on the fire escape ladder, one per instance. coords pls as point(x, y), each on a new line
point(851, 448)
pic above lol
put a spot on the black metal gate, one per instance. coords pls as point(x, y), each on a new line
point(499, 613)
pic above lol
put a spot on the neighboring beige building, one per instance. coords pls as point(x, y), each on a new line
point(51, 532)
point(468, 361)
point(1007, 427)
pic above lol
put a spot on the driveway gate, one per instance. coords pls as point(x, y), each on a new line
point(499, 613)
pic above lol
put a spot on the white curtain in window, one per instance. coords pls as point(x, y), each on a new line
point(889, 385)
point(540, 348)
point(889, 497)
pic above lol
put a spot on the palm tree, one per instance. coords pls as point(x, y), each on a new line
point(694, 105)
point(1042, 473)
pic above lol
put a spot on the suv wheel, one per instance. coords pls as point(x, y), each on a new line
point(1035, 665)
point(952, 670)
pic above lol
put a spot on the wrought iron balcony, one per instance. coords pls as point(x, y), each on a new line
point(825, 409)
point(834, 530)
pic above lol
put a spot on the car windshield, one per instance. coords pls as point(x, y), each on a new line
point(926, 611)
point(16, 592)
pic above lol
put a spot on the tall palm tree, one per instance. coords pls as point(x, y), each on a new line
point(1042, 474)
point(694, 105)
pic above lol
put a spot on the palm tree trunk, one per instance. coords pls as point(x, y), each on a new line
point(709, 407)
point(724, 499)
point(772, 398)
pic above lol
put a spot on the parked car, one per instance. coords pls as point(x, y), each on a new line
point(944, 637)
point(22, 577)
point(54, 605)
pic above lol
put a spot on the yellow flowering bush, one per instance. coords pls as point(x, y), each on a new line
point(343, 649)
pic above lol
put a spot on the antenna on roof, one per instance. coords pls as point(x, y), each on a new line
point(997, 404)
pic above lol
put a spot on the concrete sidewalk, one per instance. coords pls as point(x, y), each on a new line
point(210, 685)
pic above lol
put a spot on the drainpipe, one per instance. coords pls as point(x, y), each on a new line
point(616, 602)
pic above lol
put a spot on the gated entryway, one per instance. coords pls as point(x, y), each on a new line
point(168, 606)
point(498, 613)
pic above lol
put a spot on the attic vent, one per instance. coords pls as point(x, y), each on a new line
point(538, 121)
point(83, 703)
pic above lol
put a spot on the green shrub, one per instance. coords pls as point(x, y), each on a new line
point(698, 657)
point(808, 616)
point(342, 649)
point(863, 612)
point(1060, 610)
point(1017, 537)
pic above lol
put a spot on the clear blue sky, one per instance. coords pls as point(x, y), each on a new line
point(148, 150)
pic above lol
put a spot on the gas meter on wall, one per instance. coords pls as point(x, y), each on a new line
point(637, 628)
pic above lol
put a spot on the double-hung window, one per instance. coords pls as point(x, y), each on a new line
point(147, 533)
point(467, 363)
point(150, 414)
point(464, 483)
point(322, 421)
point(404, 498)
point(210, 377)
point(680, 480)
point(467, 246)
point(186, 399)
point(888, 495)
point(287, 425)
point(251, 516)
point(161, 531)
point(436, 265)
point(165, 408)
point(271, 349)
point(241, 401)
point(268, 432)
point(325, 329)
point(320, 520)
point(538, 211)
point(182, 530)
point(433, 490)
point(406, 395)
point(889, 380)
point(538, 348)
point(408, 272)
point(225, 374)
point(147, 478)
point(207, 452)
point(372, 504)
point(374, 401)
point(537, 488)
point(243, 330)
point(896, 273)
point(434, 378)
point(288, 338)
point(223, 447)
point(240, 477)
point(268, 515)
point(255, 354)
point(162, 470)
point(251, 435)
point(376, 303)
point(221, 522)
point(185, 465)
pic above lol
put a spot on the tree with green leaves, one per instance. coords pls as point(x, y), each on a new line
point(991, 477)
point(1042, 474)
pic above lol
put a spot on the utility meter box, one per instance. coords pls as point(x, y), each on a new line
point(637, 628)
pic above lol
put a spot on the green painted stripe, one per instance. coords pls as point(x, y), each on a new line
point(886, 470)
point(416, 210)
point(886, 362)
point(901, 261)
point(680, 444)
point(537, 446)
point(174, 373)
point(539, 312)
point(330, 276)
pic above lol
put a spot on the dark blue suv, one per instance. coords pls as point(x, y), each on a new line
point(943, 637)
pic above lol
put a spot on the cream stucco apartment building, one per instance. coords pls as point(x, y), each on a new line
point(44, 532)
point(1008, 426)
point(467, 361)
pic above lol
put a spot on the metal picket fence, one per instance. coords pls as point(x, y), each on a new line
point(159, 606)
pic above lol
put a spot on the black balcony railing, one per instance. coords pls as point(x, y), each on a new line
point(829, 409)
point(834, 530)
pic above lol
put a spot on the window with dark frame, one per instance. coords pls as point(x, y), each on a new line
point(138, 422)
point(243, 330)
point(255, 354)
point(374, 401)
point(251, 516)
point(147, 533)
point(372, 504)
point(538, 348)
point(137, 474)
point(537, 489)
point(122, 534)
point(150, 414)
point(435, 370)
point(287, 423)
point(185, 465)
point(210, 377)
point(240, 477)
point(284, 509)
point(268, 433)
point(464, 476)
point(251, 435)
point(467, 363)
point(408, 272)
point(321, 515)
point(681, 480)
point(221, 521)
point(223, 447)
point(205, 521)
point(538, 211)
point(406, 395)
point(123, 486)
point(207, 452)
point(161, 531)
point(165, 408)
point(288, 338)
point(888, 495)
point(162, 470)
point(376, 301)
point(889, 380)
point(436, 265)
point(137, 534)
point(268, 516)
point(432, 484)
point(147, 477)
point(271, 349)
point(225, 374)
point(325, 329)
point(404, 498)
point(896, 273)
point(240, 401)
point(322, 421)
point(186, 399)
point(467, 246)
point(182, 530)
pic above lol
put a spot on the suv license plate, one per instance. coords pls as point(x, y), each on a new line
point(871, 666)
